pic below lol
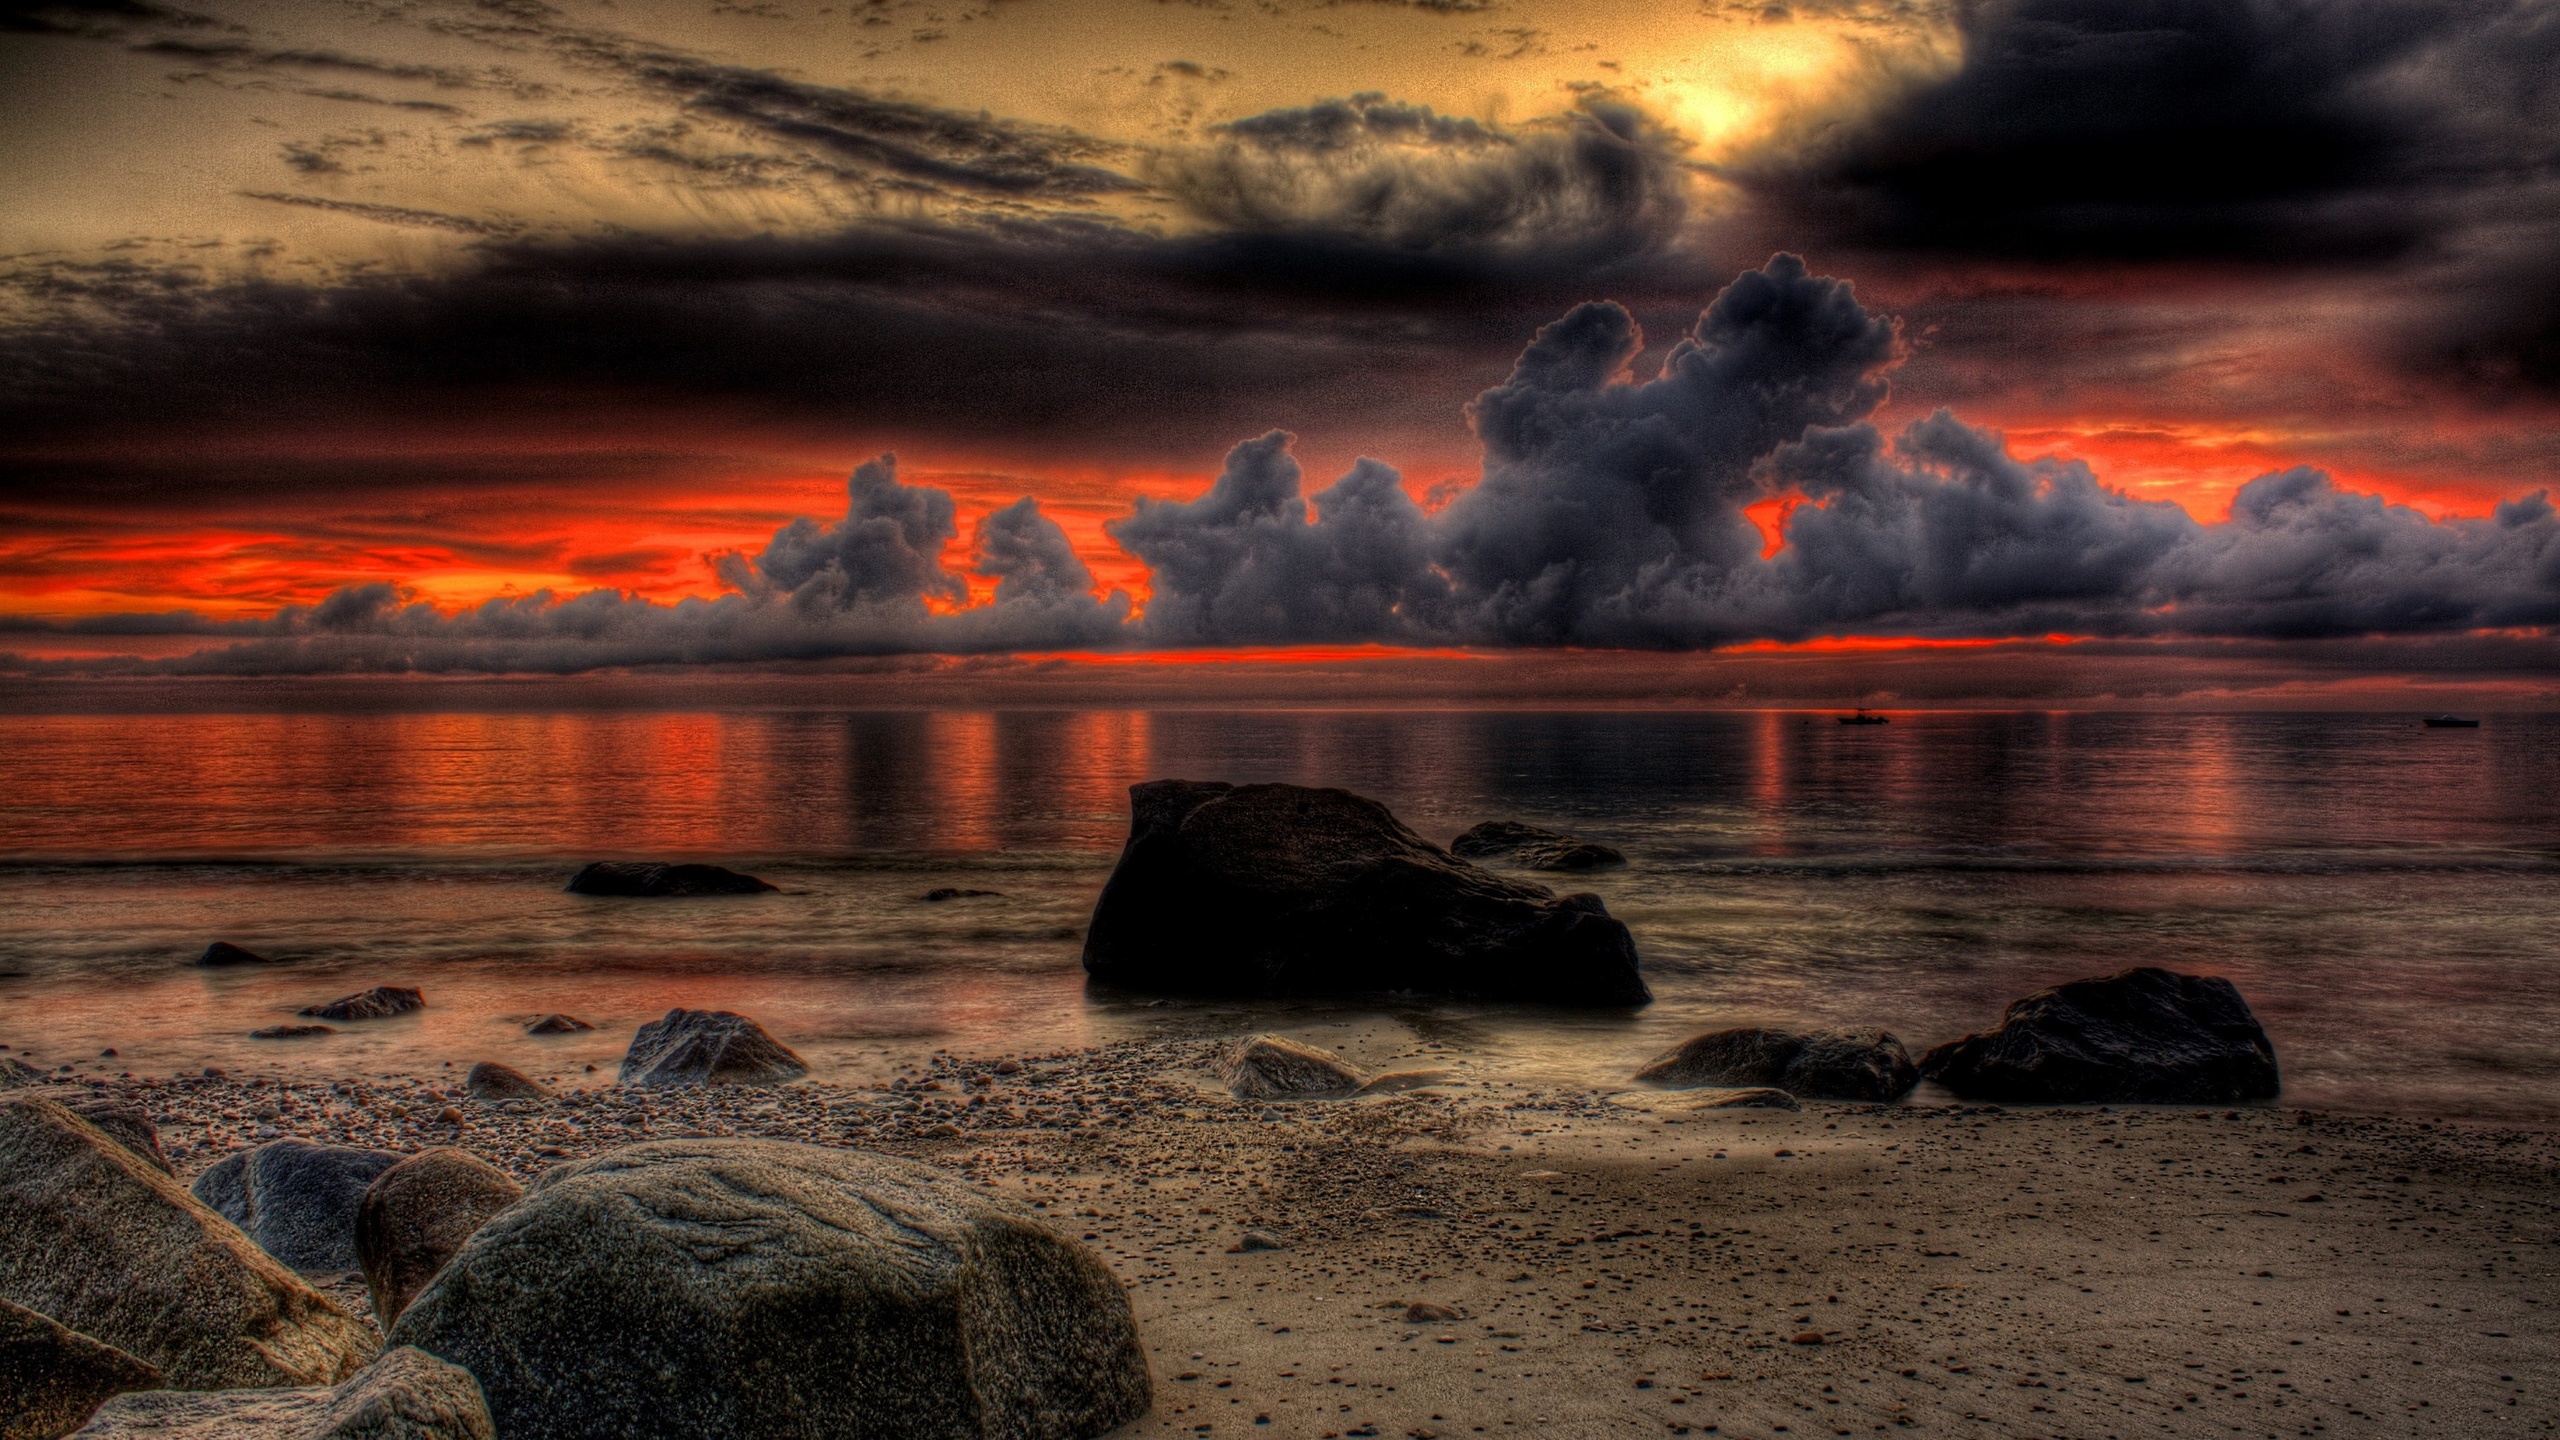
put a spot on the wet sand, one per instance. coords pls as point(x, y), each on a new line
point(1636, 1268)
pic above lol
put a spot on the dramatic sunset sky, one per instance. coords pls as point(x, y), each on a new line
point(433, 336)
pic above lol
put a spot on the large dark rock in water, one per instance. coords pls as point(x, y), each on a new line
point(1284, 890)
point(2145, 1037)
point(406, 1395)
point(760, 1290)
point(1823, 1065)
point(296, 1199)
point(52, 1378)
point(379, 1003)
point(707, 1047)
point(1533, 847)
point(416, 1216)
point(223, 952)
point(641, 879)
point(95, 1237)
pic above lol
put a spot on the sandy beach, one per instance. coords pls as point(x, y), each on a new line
point(1486, 1256)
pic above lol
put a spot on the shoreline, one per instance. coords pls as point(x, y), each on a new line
point(1610, 1268)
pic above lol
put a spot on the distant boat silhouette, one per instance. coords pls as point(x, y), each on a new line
point(1863, 718)
point(2450, 722)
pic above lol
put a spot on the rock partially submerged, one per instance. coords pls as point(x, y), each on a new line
point(1869, 1065)
point(707, 1047)
point(959, 892)
point(407, 1395)
point(557, 1025)
point(53, 1378)
point(748, 1288)
point(1285, 890)
point(416, 1216)
point(93, 1236)
point(2145, 1036)
point(291, 1032)
point(379, 1003)
point(490, 1080)
point(1274, 1067)
point(643, 880)
point(296, 1199)
point(1534, 847)
point(223, 952)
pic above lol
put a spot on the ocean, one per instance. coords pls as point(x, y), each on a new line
point(2382, 893)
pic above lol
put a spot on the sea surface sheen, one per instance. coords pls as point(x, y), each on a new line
point(2382, 893)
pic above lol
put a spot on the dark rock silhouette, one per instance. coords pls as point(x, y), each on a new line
point(379, 1003)
point(707, 1047)
point(896, 1299)
point(406, 1395)
point(1823, 1065)
point(2146, 1036)
point(291, 1032)
point(296, 1199)
point(415, 1216)
point(634, 878)
point(223, 952)
point(953, 892)
point(53, 1378)
point(490, 1080)
point(1284, 890)
point(1533, 847)
point(1274, 1067)
point(557, 1025)
point(108, 1246)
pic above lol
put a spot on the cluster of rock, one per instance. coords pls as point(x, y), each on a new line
point(640, 1292)
point(1273, 890)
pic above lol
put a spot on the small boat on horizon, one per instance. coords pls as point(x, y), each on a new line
point(2450, 722)
point(1863, 718)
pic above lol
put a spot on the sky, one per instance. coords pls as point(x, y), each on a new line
point(1694, 342)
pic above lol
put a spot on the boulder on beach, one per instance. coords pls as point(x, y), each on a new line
point(93, 1236)
point(406, 1395)
point(707, 1047)
point(415, 1216)
point(1274, 1067)
point(2144, 1037)
point(126, 1123)
point(296, 1199)
point(742, 1288)
point(557, 1025)
point(1284, 890)
point(1867, 1065)
point(490, 1080)
point(379, 1003)
point(643, 880)
point(53, 1378)
point(1533, 847)
point(291, 1032)
point(223, 952)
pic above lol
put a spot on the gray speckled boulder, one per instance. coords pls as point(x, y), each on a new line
point(415, 1217)
point(129, 1124)
point(1274, 1067)
point(296, 1199)
point(53, 1378)
point(707, 1047)
point(1867, 1065)
point(2143, 1037)
point(761, 1290)
point(406, 1395)
point(93, 1236)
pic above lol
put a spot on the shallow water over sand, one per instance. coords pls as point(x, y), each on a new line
point(2381, 892)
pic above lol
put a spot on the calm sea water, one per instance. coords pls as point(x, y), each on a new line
point(2382, 893)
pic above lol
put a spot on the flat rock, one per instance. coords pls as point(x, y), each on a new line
point(126, 1123)
point(707, 1047)
point(416, 1215)
point(52, 1378)
point(956, 892)
point(1869, 1065)
point(406, 1395)
point(1534, 847)
point(2146, 1036)
point(729, 1289)
point(93, 1236)
point(1741, 1097)
point(1275, 1067)
point(291, 1032)
point(1286, 890)
point(557, 1025)
point(223, 952)
point(644, 880)
point(296, 1199)
point(490, 1080)
point(379, 1003)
